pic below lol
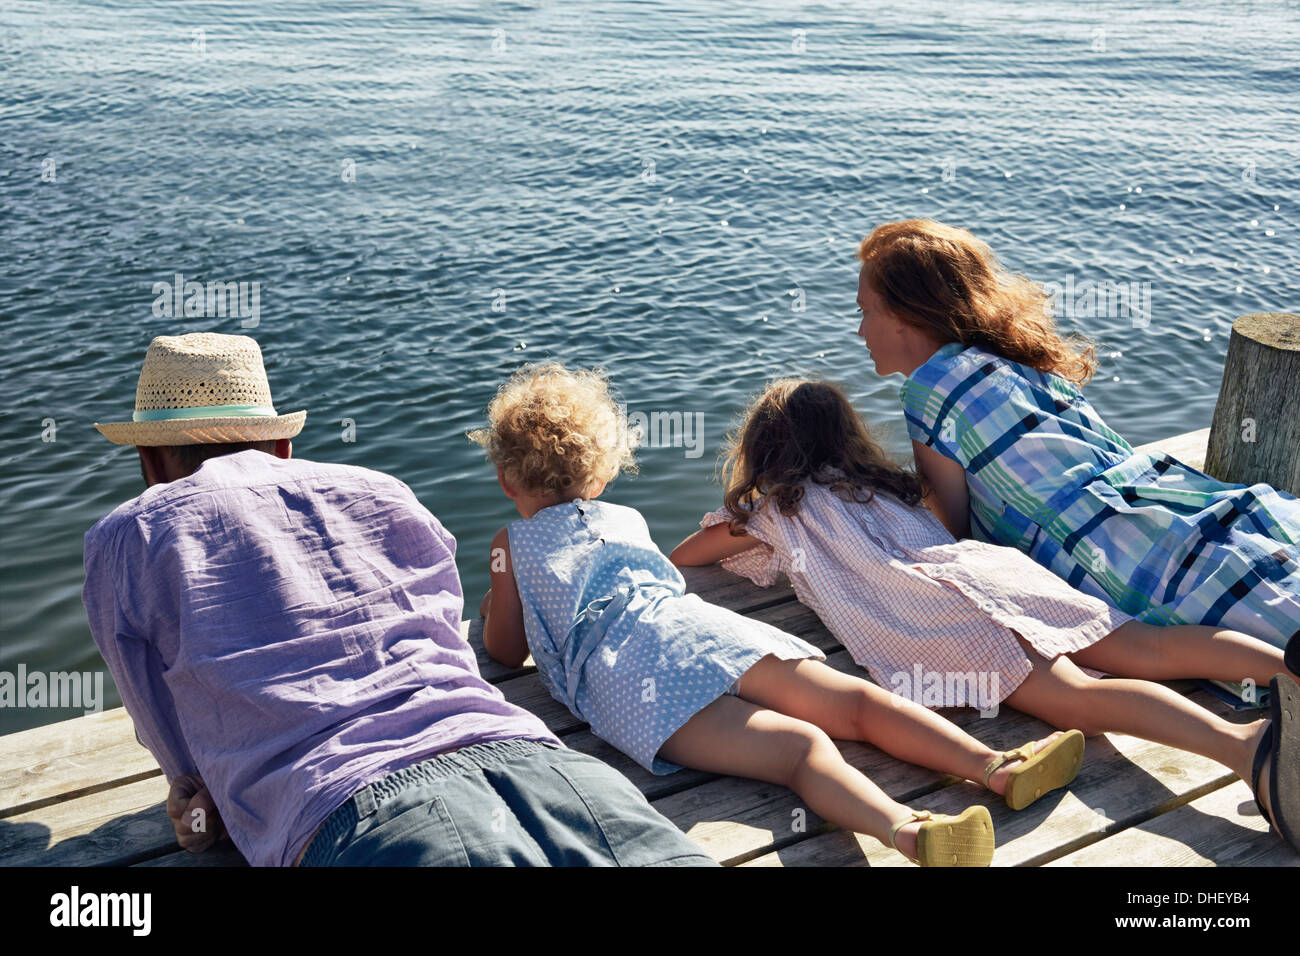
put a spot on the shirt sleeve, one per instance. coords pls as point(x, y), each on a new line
point(132, 659)
point(762, 564)
point(933, 417)
point(444, 562)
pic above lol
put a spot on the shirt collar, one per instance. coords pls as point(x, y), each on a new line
point(944, 351)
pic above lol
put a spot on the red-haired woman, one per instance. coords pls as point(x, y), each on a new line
point(1016, 456)
point(1013, 454)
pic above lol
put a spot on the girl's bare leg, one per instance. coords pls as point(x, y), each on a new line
point(1146, 651)
point(735, 737)
point(850, 708)
point(1061, 694)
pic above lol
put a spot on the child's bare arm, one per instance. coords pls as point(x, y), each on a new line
point(710, 545)
point(503, 629)
point(946, 480)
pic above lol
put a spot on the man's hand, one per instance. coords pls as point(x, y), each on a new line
point(193, 814)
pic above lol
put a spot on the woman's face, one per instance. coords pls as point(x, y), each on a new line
point(884, 333)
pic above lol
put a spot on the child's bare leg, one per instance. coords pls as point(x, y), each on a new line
point(1064, 696)
point(735, 737)
point(850, 708)
point(1149, 652)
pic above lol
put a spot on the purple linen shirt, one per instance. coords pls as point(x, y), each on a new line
point(291, 631)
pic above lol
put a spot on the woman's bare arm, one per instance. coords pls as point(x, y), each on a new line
point(948, 497)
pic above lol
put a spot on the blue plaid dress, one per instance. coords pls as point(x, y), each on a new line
point(1154, 537)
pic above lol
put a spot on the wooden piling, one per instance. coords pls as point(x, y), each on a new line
point(1255, 436)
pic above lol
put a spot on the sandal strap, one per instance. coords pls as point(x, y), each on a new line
point(1023, 752)
point(915, 815)
point(1262, 753)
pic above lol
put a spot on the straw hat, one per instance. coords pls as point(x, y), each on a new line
point(201, 388)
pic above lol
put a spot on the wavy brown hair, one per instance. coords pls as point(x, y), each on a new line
point(943, 279)
point(799, 431)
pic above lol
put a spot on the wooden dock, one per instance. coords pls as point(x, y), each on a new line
point(84, 793)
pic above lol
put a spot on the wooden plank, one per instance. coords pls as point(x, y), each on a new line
point(115, 827)
point(122, 826)
point(1222, 828)
point(223, 854)
point(718, 586)
point(1189, 448)
point(70, 758)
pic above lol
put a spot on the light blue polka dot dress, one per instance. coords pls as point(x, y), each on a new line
point(616, 638)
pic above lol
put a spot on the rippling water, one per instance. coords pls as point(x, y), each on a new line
point(650, 187)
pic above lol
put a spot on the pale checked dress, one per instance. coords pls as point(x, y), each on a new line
point(918, 609)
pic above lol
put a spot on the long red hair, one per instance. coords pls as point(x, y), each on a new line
point(943, 279)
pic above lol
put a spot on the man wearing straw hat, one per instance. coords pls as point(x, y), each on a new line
point(285, 635)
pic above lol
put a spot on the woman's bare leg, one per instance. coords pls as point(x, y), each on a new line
point(1064, 696)
point(1150, 652)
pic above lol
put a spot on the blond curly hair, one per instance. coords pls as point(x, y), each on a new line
point(552, 430)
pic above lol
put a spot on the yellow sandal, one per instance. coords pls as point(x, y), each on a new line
point(1051, 768)
point(963, 840)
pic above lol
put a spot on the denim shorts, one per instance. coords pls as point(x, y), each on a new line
point(502, 803)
